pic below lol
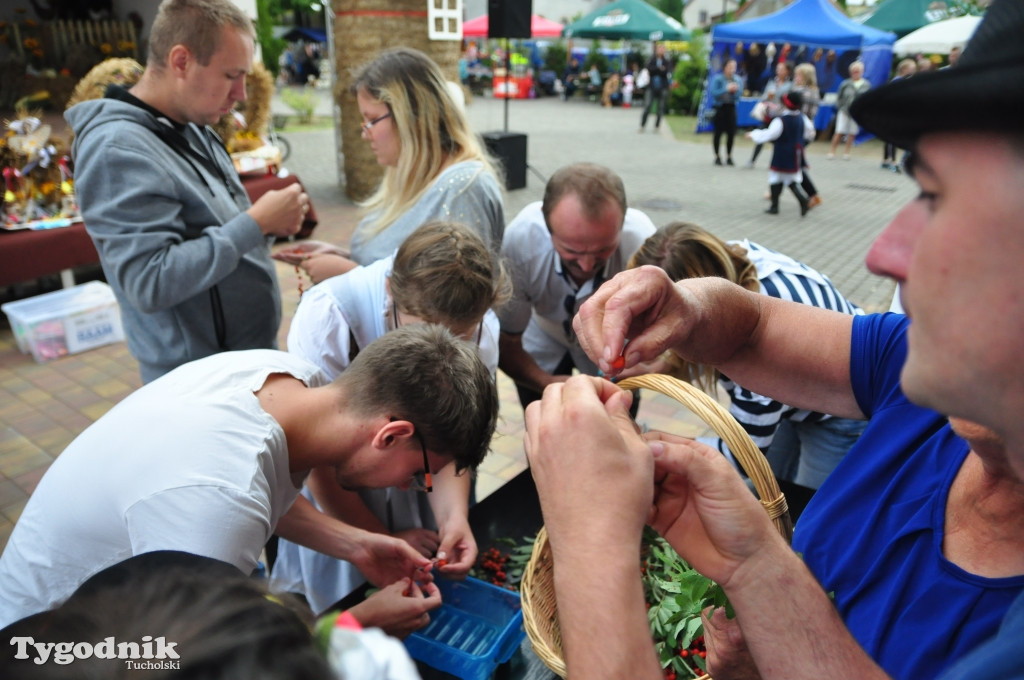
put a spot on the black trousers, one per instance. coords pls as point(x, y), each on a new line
point(724, 123)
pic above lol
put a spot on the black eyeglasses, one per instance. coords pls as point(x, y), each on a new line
point(421, 481)
point(368, 125)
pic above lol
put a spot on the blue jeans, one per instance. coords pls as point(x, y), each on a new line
point(805, 453)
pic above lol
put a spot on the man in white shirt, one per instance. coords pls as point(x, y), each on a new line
point(209, 460)
point(560, 251)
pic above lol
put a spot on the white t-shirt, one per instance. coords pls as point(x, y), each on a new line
point(189, 462)
point(330, 314)
point(546, 299)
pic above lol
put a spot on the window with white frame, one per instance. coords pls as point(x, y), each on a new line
point(444, 19)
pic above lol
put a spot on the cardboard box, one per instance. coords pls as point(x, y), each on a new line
point(66, 321)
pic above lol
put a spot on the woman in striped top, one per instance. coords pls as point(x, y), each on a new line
point(802, 446)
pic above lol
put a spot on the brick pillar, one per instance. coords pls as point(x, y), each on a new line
point(362, 28)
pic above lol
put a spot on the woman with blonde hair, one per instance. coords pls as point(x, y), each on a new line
point(802, 446)
point(443, 273)
point(435, 166)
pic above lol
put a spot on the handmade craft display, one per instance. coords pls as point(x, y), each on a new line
point(38, 184)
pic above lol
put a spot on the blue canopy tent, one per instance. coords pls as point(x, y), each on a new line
point(808, 25)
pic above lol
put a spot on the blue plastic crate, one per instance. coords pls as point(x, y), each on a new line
point(478, 627)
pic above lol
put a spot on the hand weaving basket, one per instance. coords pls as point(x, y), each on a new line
point(540, 614)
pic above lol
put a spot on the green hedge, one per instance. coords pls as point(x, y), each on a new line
point(688, 78)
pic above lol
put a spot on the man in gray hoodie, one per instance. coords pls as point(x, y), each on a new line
point(185, 251)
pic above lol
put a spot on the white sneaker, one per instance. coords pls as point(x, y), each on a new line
point(830, 156)
point(846, 156)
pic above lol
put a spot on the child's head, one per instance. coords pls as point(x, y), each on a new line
point(444, 273)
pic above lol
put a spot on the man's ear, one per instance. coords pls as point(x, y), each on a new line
point(393, 432)
point(179, 59)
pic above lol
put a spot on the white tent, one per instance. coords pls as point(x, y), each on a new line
point(938, 37)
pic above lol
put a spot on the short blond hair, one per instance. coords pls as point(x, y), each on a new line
point(197, 25)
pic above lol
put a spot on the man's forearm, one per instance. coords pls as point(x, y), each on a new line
point(602, 615)
point(518, 365)
point(790, 625)
point(339, 503)
point(305, 525)
point(794, 353)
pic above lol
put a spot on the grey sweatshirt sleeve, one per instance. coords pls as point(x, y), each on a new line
point(163, 232)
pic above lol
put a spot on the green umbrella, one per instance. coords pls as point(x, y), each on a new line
point(903, 16)
point(627, 20)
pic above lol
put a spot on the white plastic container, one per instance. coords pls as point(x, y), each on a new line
point(65, 321)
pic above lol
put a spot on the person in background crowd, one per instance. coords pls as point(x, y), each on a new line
point(754, 63)
point(827, 73)
point(805, 82)
point(629, 85)
point(726, 89)
point(954, 56)
point(849, 90)
point(436, 167)
point(611, 93)
point(593, 81)
point(184, 250)
point(801, 446)
point(571, 78)
point(660, 70)
point(772, 100)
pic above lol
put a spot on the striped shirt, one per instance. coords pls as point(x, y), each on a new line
point(780, 277)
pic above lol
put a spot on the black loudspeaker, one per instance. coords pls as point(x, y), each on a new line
point(509, 18)
point(510, 149)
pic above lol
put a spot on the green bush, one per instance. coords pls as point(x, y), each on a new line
point(556, 58)
point(301, 100)
point(270, 46)
point(688, 78)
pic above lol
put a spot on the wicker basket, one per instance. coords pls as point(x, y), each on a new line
point(540, 615)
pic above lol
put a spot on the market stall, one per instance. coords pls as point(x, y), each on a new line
point(28, 254)
point(812, 29)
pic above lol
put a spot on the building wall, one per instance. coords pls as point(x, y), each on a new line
point(704, 13)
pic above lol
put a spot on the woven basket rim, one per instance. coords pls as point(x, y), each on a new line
point(540, 617)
